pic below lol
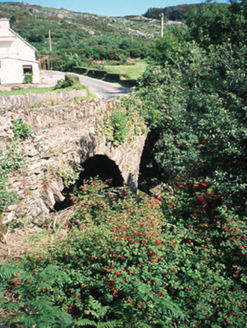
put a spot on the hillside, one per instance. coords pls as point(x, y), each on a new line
point(173, 13)
point(75, 30)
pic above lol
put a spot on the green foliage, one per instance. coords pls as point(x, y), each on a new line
point(21, 129)
point(202, 88)
point(27, 91)
point(28, 78)
point(12, 19)
point(213, 23)
point(70, 60)
point(120, 126)
point(121, 123)
point(175, 13)
point(12, 160)
point(6, 197)
point(115, 126)
point(116, 281)
point(143, 269)
point(87, 35)
point(195, 105)
point(70, 81)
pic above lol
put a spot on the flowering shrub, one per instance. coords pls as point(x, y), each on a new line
point(212, 218)
point(124, 266)
point(111, 270)
point(195, 105)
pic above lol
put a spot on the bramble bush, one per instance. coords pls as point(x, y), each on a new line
point(123, 265)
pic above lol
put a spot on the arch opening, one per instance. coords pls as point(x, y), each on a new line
point(97, 166)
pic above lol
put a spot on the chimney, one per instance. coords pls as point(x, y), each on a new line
point(4, 24)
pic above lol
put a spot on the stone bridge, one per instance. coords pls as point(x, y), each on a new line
point(66, 140)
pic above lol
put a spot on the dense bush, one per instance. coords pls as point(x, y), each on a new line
point(124, 266)
point(71, 81)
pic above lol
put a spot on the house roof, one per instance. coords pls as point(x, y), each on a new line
point(17, 35)
point(7, 33)
point(22, 60)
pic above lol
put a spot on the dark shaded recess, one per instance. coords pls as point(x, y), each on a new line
point(97, 166)
point(149, 172)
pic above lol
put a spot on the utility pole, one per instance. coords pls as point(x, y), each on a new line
point(50, 61)
point(162, 25)
point(50, 41)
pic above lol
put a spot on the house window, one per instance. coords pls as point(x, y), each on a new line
point(27, 69)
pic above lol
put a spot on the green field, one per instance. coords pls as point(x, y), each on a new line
point(133, 71)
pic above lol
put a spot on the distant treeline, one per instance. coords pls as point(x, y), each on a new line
point(175, 13)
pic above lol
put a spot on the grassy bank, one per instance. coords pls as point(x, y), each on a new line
point(26, 91)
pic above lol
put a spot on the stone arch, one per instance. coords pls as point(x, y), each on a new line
point(100, 166)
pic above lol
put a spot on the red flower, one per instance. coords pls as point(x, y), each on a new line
point(17, 262)
point(200, 197)
point(195, 186)
point(159, 293)
point(117, 273)
point(108, 270)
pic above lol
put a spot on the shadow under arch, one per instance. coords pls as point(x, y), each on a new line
point(100, 166)
point(104, 168)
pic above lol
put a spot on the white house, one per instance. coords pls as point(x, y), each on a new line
point(17, 57)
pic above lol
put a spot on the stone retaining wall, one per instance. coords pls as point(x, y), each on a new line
point(35, 98)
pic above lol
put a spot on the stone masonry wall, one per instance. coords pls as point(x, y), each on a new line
point(65, 136)
point(35, 98)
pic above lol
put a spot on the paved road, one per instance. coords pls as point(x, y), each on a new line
point(103, 89)
point(100, 88)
